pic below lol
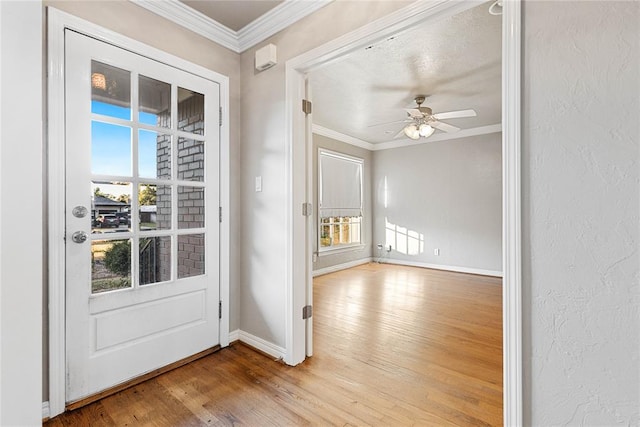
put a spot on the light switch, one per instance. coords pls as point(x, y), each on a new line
point(258, 184)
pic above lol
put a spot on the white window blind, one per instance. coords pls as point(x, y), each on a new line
point(340, 185)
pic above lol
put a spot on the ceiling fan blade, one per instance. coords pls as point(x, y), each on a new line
point(444, 127)
point(389, 123)
point(399, 134)
point(455, 114)
point(414, 112)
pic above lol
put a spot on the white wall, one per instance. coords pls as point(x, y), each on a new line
point(445, 195)
point(327, 260)
point(581, 220)
point(21, 235)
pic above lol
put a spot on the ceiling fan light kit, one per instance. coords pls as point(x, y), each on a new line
point(411, 130)
point(423, 123)
point(415, 131)
point(425, 130)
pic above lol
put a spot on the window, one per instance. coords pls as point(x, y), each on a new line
point(340, 204)
point(339, 231)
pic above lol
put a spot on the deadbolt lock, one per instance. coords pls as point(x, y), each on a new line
point(79, 211)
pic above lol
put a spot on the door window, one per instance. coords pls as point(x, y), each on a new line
point(148, 202)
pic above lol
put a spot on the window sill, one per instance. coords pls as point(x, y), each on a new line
point(340, 249)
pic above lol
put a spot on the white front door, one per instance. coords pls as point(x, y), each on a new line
point(142, 229)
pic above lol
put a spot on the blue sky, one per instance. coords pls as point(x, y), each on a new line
point(111, 146)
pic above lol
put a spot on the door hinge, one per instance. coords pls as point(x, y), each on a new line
point(220, 117)
point(219, 309)
point(307, 209)
point(220, 213)
point(307, 312)
point(306, 106)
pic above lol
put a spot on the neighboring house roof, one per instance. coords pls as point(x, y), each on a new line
point(105, 201)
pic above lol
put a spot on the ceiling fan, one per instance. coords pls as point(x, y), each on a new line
point(422, 122)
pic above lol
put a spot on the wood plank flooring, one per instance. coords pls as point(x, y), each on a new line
point(393, 346)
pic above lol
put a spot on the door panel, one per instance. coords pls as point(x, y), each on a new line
point(142, 157)
point(123, 325)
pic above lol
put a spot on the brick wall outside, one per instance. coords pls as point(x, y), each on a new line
point(190, 161)
point(190, 255)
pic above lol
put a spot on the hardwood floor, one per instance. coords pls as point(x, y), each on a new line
point(393, 346)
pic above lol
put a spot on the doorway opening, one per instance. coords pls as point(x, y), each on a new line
point(301, 228)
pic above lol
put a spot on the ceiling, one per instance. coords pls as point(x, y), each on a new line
point(233, 14)
point(456, 62)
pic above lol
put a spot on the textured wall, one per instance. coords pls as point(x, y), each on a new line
point(580, 174)
point(445, 195)
point(329, 260)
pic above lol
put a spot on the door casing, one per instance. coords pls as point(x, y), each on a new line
point(58, 21)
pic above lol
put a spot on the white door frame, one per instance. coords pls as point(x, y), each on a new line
point(299, 250)
point(58, 21)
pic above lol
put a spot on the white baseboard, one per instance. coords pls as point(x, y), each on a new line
point(342, 266)
point(234, 336)
point(45, 410)
point(457, 269)
point(262, 345)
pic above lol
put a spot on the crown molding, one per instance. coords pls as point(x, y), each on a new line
point(338, 136)
point(277, 19)
point(390, 24)
point(191, 19)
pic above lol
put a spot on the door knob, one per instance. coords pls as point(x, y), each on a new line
point(79, 237)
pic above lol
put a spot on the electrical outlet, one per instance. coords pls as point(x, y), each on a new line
point(436, 251)
point(315, 257)
point(258, 184)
